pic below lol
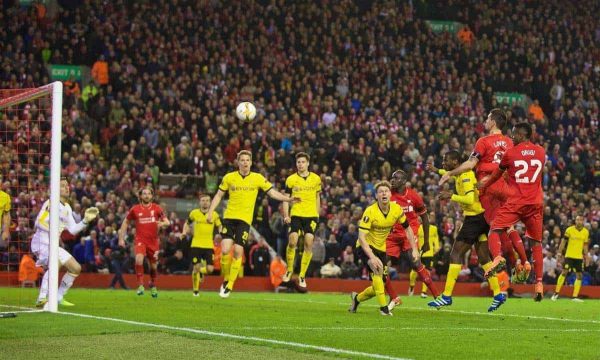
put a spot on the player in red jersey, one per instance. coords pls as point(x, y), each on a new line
point(524, 164)
point(485, 158)
point(148, 218)
point(397, 242)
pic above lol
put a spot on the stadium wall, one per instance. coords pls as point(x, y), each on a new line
point(184, 282)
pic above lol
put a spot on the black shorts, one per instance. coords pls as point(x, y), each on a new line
point(198, 254)
point(472, 229)
point(427, 261)
point(303, 225)
point(574, 264)
point(235, 229)
point(365, 260)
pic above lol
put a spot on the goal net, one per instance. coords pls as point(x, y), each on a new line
point(30, 149)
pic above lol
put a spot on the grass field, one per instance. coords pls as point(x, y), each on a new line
point(119, 324)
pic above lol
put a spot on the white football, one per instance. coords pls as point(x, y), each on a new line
point(246, 111)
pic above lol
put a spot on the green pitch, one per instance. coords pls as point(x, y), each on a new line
point(294, 326)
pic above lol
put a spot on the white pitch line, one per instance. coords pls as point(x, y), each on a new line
point(411, 329)
point(497, 314)
point(17, 307)
point(238, 337)
point(20, 311)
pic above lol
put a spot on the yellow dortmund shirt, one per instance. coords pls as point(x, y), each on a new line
point(4, 205)
point(306, 188)
point(465, 184)
point(242, 194)
point(203, 230)
point(434, 240)
point(577, 239)
point(378, 225)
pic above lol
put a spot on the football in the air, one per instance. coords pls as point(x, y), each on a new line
point(245, 111)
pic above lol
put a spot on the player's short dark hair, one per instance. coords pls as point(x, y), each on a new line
point(201, 195)
point(303, 155)
point(525, 128)
point(383, 183)
point(244, 152)
point(453, 155)
point(499, 117)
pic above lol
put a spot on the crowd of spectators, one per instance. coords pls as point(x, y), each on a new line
point(363, 87)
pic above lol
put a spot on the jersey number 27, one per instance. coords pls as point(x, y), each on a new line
point(523, 169)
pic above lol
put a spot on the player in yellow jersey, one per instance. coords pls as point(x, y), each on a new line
point(376, 223)
point(576, 239)
point(304, 216)
point(432, 249)
point(242, 186)
point(473, 232)
point(202, 246)
point(5, 216)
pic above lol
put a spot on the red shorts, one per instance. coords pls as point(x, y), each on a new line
point(396, 244)
point(493, 198)
point(531, 215)
point(146, 249)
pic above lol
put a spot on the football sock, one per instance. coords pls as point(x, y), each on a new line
point(236, 264)
point(538, 261)
point(494, 244)
point(225, 266)
point(306, 257)
point(492, 280)
point(139, 274)
point(577, 288)
point(379, 290)
point(425, 277)
point(196, 281)
point(559, 283)
point(65, 284)
point(290, 256)
point(451, 278)
point(517, 243)
point(412, 278)
point(389, 288)
point(366, 294)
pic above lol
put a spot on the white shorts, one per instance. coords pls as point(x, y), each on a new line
point(41, 251)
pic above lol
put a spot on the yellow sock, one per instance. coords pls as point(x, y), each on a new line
point(424, 289)
point(236, 264)
point(203, 270)
point(379, 290)
point(412, 278)
point(492, 280)
point(453, 271)
point(290, 256)
point(577, 288)
point(366, 294)
point(196, 281)
point(306, 257)
point(559, 283)
point(225, 266)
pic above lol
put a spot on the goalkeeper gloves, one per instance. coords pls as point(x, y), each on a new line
point(90, 215)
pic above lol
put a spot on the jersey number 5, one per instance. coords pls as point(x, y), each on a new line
point(524, 169)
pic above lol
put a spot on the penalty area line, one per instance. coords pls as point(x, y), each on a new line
point(237, 337)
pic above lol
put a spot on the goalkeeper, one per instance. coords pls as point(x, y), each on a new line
point(40, 243)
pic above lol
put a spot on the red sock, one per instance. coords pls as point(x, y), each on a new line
point(538, 261)
point(139, 273)
point(517, 243)
point(389, 289)
point(426, 278)
point(494, 244)
point(507, 249)
point(152, 276)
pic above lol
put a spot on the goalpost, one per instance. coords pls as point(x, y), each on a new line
point(19, 107)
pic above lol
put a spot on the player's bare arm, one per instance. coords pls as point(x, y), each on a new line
point(274, 194)
point(374, 262)
point(213, 205)
point(465, 166)
point(122, 232)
